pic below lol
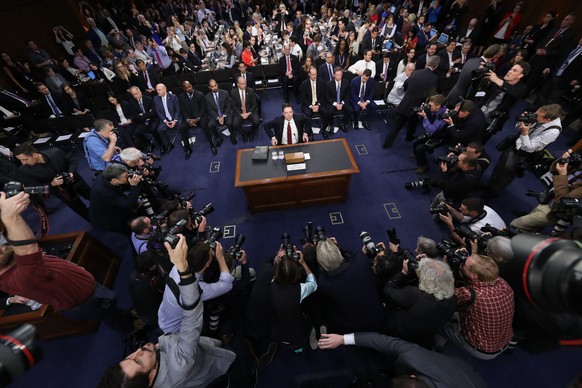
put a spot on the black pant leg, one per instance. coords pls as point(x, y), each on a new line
point(397, 125)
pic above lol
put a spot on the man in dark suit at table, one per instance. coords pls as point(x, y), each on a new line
point(338, 98)
point(362, 98)
point(169, 113)
point(313, 98)
point(218, 109)
point(373, 41)
point(288, 126)
point(289, 73)
point(244, 107)
point(419, 86)
point(193, 106)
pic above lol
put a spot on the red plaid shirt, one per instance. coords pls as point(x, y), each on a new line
point(486, 324)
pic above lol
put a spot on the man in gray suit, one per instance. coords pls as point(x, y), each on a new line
point(463, 85)
point(183, 359)
point(413, 362)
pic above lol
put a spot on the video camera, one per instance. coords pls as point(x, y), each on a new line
point(371, 248)
point(13, 188)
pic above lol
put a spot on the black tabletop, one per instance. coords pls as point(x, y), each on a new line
point(326, 156)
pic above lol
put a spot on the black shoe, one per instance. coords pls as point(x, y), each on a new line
point(188, 154)
point(386, 145)
point(325, 134)
point(366, 125)
point(219, 141)
point(214, 150)
point(233, 138)
point(343, 128)
point(356, 126)
point(169, 148)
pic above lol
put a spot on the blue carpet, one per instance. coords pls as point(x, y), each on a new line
point(377, 201)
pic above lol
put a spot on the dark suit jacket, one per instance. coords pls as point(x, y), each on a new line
point(437, 369)
point(154, 79)
point(92, 35)
point(294, 65)
point(323, 72)
point(81, 98)
point(467, 130)
point(355, 90)
point(223, 101)
point(127, 112)
point(250, 79)
point(250, 101)
point(392, 65)
point(173, 108)
point(195, 107)
point(572, 71)
point(306, 93)
point(344, 91)
point(444, 64)
point(275, 127)
point(367, 43)
point(45, 108)
point(464, 82)
point(420, 85)
point(137, 115)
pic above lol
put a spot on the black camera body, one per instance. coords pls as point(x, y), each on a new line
point(13, 188)
point(288, 247)
point(171, 236)
point(420, 184)
point(440, 209)
point(67, 178)
point(457, 150)
point(527, 118)
point(197, 215)
point(454, 257)
point(214, 235)
point(574, 161)
point(235, 250)
point(479, 73)
point(452, 114)
point(449, 160)
point(412, 260)
point(423, 107)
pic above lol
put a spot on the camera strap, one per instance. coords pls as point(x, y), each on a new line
point(176, 290)
point(43, 219)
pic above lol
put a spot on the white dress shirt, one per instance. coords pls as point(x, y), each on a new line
point(362, 65)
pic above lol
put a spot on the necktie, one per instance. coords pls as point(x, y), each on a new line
point(244, 77)
point(288, 64)
point(569, 60)
point(362, 91)
point(337, 98)
point(54, 107)
point(463, 58)
point(373, 43)
point(141, 106)
point(165, 104)
point(385, 72)
point(313, 94)
point(289, 133)
point(159, 59)
point(217, 104)
point(243, 102)
point(147, 78)
point(330, 71)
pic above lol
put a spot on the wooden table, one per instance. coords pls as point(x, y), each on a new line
point(269, 186)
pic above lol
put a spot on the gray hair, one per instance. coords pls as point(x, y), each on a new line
point(499, 249)
point(433, 62)
point(328, 255)
point(114, 170)
point(427, 246)
point(436, 278)
point(101, 124)
point(130, 154)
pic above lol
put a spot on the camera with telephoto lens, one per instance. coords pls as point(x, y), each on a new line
point(479, 73)
point(308, 237)
point(159, 218)
point(134, 171)
point(420, 184)
point(412, 260)
point(67, 178)
point(574, 161)
point(235, 249)
point(371, 248)
point(455, 257)
point(320, 233)
point(392, 237)
point(152, 156)
point(527, 118)
point(17, 353)
point(12, 188)
point(449, 160)
point(197, 215)
point(171, 236)
point(466, 232)
point(439, 209)
point(568, 208)
point(510, 231)
point(213, 236)
point(457, 150)
point(288, 247)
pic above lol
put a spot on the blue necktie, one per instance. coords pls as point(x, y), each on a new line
point(338, 93)
point(53, 106)
point(217, 104)
point(330, 71)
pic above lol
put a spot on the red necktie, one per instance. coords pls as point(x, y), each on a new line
point(288, 64)
point(289, 133)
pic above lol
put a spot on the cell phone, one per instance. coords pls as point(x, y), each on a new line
point(91, 74)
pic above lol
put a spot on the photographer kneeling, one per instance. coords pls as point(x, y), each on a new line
point(432, 122)
point(474, 213)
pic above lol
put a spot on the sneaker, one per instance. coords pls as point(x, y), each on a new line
point(267, 357)
point(313, 340)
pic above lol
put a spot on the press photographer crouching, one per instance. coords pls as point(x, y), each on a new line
point(521, 151)
point(432, 121)
point(52, 167)
point(111, 208)
point(473, 213)
point(566, 184)
point(459, 176)
point(485, 306)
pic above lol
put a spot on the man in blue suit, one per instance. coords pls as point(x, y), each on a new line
point(167, 108)
point(361, 97)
